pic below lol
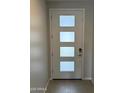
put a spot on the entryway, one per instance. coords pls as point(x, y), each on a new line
point(61, 46)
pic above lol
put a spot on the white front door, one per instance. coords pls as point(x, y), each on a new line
point(67, 43)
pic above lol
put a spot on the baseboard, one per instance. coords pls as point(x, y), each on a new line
point(92, 81)
point(47, 85)
point(87, 78)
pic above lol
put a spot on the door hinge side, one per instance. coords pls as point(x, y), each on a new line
point(51, 54)
point(51, 36)
point(51, 17)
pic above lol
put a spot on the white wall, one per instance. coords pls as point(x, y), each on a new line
point(89, 29)
point(39, 74)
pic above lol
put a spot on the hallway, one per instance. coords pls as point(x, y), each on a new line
point(70, 86)
point(61, 46)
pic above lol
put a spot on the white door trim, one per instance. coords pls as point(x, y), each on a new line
point(51, 36)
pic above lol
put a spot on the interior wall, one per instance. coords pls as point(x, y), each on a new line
point(93, 73)
point(89, 29)
point(39, 74)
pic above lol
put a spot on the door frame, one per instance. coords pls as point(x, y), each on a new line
point(51, 36)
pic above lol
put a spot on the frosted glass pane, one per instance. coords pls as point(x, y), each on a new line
point(66, 51)
point(67, 21)
point(67, 36)
point(67, 66)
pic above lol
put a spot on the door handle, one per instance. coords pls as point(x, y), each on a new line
point(80, 51)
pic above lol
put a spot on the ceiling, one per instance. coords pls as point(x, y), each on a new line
point(69, 0)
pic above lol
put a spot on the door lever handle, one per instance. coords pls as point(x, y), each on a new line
point(80, 51)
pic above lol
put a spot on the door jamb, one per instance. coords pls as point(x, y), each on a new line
point(51, 36)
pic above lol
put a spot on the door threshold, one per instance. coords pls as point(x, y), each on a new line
point(67, 79)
